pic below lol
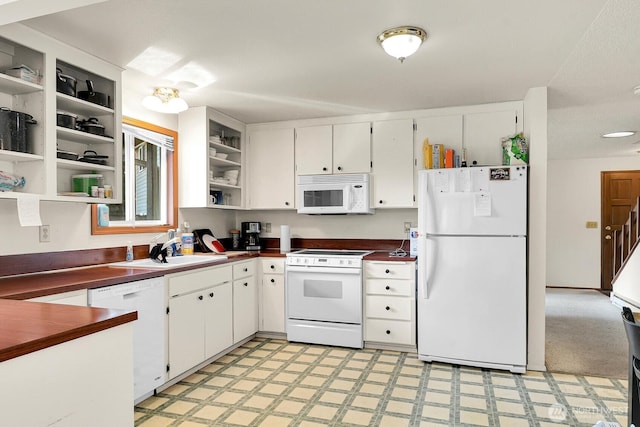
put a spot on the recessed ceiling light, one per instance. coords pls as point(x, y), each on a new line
point(620, 134)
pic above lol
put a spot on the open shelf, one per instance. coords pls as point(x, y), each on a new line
point(17, 156)
point(15, 86)
point(82, 137)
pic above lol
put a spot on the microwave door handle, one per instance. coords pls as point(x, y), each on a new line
point(348, 192)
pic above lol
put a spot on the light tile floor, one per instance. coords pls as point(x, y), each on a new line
point(269, 382)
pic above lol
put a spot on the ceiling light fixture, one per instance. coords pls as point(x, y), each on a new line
point(165, 100)
point(619, 134)
point(401, 42)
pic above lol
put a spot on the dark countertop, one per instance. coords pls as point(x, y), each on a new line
point(27, 327)
point(30, 326)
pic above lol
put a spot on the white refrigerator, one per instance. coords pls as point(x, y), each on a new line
point(472, 266)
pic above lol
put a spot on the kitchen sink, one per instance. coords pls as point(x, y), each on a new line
point(178, 261)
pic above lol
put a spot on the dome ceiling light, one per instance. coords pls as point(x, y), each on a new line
point(165, 100)
point(402, 42)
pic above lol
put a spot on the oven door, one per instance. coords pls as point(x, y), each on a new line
point(324, 294)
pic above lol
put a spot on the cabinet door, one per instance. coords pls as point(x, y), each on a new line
point(352, 148)
point(186, 332)
point(245, 308)
point(392, 154)
point(483, 133)
point(218, 319)
point(445, 130)
point(313, 150)
point(273, 303)
point(271, 169)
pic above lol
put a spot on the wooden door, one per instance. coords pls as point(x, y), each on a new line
point(620, 191)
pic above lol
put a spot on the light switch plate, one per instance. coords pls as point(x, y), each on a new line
point(592, 224)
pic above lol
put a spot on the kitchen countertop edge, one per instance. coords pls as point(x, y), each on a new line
point(56, 324)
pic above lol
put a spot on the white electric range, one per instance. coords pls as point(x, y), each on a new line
point(324, 297)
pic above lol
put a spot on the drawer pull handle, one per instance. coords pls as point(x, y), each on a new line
point(387, 271)
point(211, 294)
point(273, 280)
point(246, 269)
point(387, 287)
point(388, 332)
point(246, 284)
point(273, 267)
point(387, 308)
point(200, 297)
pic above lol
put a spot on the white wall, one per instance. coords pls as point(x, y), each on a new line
point(384, 224)
point(535, 130)
point(573, 251)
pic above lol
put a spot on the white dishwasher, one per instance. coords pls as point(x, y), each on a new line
point(147, 297)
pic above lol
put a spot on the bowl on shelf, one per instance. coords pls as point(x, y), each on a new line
point(212, 152)
point(222, 156)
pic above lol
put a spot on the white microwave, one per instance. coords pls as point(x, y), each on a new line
point(334, 194)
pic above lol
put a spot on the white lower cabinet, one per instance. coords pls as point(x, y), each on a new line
point(272, 295)
point(200, 316)
point(245, 300)
point(389, 302)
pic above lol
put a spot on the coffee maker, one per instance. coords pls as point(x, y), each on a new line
point(250, 235)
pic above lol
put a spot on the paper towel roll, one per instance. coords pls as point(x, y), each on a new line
point(285, 239)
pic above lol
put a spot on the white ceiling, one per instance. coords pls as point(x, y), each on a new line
point(290, 59)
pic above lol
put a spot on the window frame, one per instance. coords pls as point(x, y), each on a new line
point(172, 193)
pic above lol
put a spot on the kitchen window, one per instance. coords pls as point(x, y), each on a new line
point(149, 182)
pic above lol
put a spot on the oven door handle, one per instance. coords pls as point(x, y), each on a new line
point(325, 270)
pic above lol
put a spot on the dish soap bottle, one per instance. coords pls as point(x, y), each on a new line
point(129, 256)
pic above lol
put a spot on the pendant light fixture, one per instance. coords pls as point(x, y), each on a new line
point(401, 42)
point(165, 100)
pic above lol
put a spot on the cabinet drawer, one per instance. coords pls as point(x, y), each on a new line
point(189, 281)
point(244, 269)
point(397, 308)
point(272, 265)
point(390, 287)
point(393, 270)
point(389, 331)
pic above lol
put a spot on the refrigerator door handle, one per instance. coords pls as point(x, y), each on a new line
point(429, 264)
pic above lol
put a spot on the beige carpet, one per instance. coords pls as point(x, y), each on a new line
point(584, 334)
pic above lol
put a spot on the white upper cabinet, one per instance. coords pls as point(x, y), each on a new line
point(55, 152)
point(352, 148)
point(210, 149)
point(270, 169)
point(392, 155)
point(96, 133)
point(333, 149)
point(445, 130)
point(484, 131)
point(314, 150)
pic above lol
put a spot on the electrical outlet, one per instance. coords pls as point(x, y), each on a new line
point(45, 233)
point(407, 227)
point(267, 227)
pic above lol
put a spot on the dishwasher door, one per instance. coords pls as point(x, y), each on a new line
point(147, 297)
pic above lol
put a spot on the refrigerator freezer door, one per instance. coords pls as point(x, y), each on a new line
point(488, 200)
point(472, 301)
